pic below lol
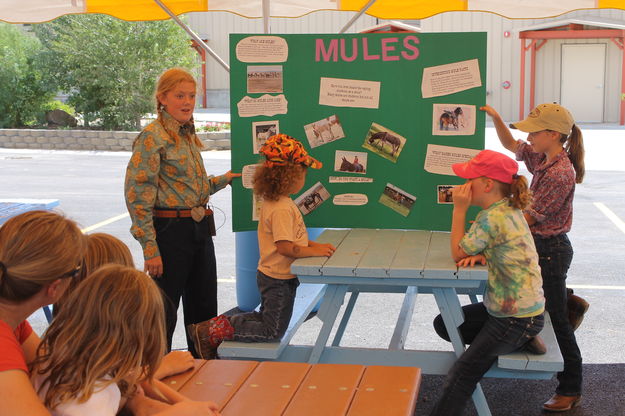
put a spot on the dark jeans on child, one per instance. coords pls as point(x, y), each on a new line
point(189, 271)
point(277, 297)
point(488, 337)
point(555, 255)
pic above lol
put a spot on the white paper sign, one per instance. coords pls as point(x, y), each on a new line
point(450, 78)
point(262, 49)
point(265, 105)
point(349, 179)
point(350, 199)
point(339, 92)
point(248, 175)
point(440, 158)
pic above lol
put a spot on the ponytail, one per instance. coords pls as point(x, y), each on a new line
point(574, 146)
point(520, 195)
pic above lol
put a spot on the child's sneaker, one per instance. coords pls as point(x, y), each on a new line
point(209, 334)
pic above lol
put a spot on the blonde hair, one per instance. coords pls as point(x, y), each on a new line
point(574, 147)
point(518, 192)
point(273, 182)
point(37, 248)
point(111, 330)
point(169, 80)
point(101, 249)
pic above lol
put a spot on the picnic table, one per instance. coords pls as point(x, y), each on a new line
point(411, 262)
point(300, 389)
point(12, 207)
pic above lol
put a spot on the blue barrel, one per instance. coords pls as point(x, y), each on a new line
point(246, 263)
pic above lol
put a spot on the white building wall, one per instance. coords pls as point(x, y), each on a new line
point(504, 58)
point(503, 52)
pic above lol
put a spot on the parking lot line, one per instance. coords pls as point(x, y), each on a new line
point(105, 222)
point(611, 215)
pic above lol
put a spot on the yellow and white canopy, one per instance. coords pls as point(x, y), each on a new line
point(32, 11)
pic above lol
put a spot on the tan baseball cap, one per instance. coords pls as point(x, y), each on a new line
point(546, 117)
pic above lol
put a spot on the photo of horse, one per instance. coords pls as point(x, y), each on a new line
point(312, 198)
point(444, 194)
point(351, 162)
point(384, 142)
point(324, 131)
point(453, 120)
point(262, 130)
point(397, 199)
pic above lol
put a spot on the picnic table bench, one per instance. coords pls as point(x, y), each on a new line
point(297, 389)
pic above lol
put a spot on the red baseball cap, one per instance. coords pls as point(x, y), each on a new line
point(488, 163)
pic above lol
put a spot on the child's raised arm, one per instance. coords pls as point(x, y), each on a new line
point(314, 249)
point(503, 132)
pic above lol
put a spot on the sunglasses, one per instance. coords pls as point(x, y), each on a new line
point(73, 274)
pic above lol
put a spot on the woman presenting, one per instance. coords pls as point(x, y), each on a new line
point(167, 192)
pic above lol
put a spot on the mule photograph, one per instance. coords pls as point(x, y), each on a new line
point(266, 78)
point(262, 130)
point(312, 198)
point(397, 199)
point(444, 195)
point(324, 131)
point(453, 120)
point(384, 142)
point(351, 162)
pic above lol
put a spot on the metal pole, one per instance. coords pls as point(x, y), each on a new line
point(266, 16)
point(357, 16)
point(193, 35)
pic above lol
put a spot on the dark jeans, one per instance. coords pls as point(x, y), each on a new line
point(190, 272)
point(555, 255)
point(277, 297)
point(489, 337)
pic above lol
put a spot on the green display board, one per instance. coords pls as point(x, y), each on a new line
point(384, 102)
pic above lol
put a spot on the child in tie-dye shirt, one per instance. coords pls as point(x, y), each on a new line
point(511, 315)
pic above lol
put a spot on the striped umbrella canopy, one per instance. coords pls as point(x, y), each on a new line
point(33, 11)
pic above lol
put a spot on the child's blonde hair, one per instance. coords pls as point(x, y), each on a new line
point(37, 248)
point(518, 192)
point(273, 182)
point(101, 249)
point(110, 330)
point(169, 80)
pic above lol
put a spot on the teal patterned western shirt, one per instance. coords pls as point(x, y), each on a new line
point(166, 170)
point(502, 235)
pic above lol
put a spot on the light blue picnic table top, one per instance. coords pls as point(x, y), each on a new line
point(12, 207)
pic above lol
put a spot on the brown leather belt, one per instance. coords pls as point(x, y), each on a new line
point(177, 213)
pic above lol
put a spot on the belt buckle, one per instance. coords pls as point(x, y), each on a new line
point(198, 213)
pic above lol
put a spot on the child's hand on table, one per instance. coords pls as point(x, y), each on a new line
point(472, 261)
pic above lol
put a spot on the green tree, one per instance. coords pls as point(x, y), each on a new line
point(25, 86)
point(110, 66)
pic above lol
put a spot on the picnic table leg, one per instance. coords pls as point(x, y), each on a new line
point(452, 315)
point(343, 324)
point(328, 311)
point(403, 320)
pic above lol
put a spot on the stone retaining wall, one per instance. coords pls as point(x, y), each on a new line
point(90, 139)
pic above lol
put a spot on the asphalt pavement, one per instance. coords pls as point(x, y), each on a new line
point(89, 186)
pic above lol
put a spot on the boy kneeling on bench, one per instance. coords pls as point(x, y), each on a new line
point(282, 238)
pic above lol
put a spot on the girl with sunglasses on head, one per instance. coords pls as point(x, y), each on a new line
point(40, 253)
